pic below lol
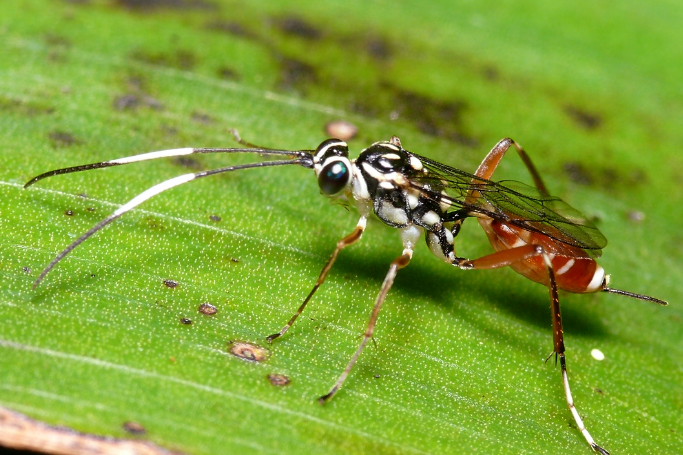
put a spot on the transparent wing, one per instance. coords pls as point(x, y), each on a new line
point(511, 202)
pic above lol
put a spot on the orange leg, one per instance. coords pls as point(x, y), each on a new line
point(490, 163)
point(505, 258)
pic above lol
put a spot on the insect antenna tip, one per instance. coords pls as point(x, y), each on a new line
point(646, 298)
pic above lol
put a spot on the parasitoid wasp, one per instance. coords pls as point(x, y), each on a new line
point(534, 233)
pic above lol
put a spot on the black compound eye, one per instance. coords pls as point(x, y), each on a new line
point(334, 177)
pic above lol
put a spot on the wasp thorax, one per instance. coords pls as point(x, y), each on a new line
point(386, 157)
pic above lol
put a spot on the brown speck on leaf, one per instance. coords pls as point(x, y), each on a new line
point(201, 117)
point(583, 118)
point(151, 5)
point(60, 139)
point(134, 428)
point(578, 173)
point(187, 162)
point(248, 351)
point(295, 26)
point(296, 74)
point(341, 129)
point(231, 28)
point(230, 74)
point(132, 101)
point(171, 284)
point(278, 379)
point(186, 321)
point(379, 49)
point(208, 309)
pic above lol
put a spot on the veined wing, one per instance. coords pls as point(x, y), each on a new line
point(510, 202)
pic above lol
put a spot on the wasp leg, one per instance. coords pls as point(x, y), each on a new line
point(491, 161)
point(350, 239)
point(397, 264)
point(505, 258)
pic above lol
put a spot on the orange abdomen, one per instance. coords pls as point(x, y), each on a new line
point(574, 270)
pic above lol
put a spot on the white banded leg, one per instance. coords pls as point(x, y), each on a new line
point(350, 239)
point(507, 257)
point(558, 339)
point(575, 413)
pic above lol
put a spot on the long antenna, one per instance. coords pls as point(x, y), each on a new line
point(304, 159)
point(647, 298)
point(301, 154)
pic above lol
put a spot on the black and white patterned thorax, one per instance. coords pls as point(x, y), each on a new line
point(379, 181)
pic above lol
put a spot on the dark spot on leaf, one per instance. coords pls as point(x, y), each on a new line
point(180, 58)
point(378, 48)
point(578, 173)
point(134, 428)
point(62, 139)
point(235, 260)
point(296, 74)
point(201, 117)
point(132, 101)
point(69, 212)
point(28, 108)
point(491, 73)
point(150, 5)
point(171, 284)
point(231, 28)
point(90, 209)
point(341, 129)
point(155, 224)
point(583, 118)
point(228, 73)
point(215, 218)
point(377, 376)
point(56, 40)
point(128, 101)
point(248, 351)
point(26, 269)
point(278, 379)
point(187, 162)
point(83, 195)
point(433, 117)
point(599, 391)
point(298, 27)
point(136, 83)
point(186, 321)
point(208, 309)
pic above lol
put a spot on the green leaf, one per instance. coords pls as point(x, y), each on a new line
point(591, 90)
